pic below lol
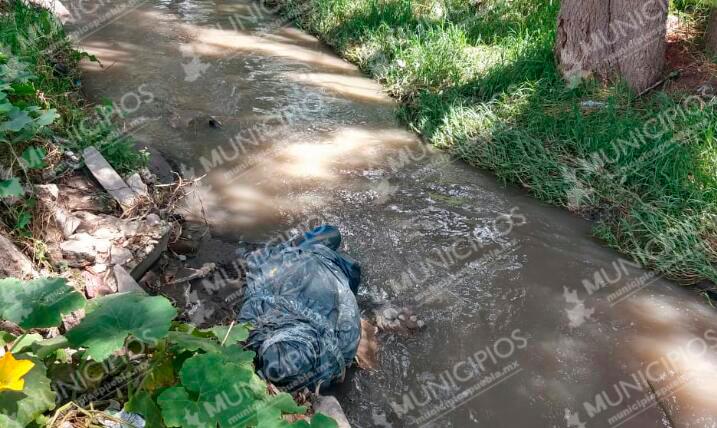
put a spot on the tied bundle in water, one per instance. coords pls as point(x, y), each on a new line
point(300, 298)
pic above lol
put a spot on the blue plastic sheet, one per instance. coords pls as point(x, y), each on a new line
point(300, 298)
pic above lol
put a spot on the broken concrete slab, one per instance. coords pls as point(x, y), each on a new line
point(135, 183)
point(108, 178)
point(13, 263)
point(83, 249)
point(135, 244)
point(120, 255)
point(125, 282)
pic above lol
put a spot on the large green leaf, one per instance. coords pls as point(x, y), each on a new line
point(111, 319)
point(188, 342)
point(39, 303)
point(269, 412)
point(10, 187)
point(319, 420)
point(46, 117)
point(18, 119)
point(35, 399)
point(7, 422)
point(25, 341)
point(179, 410)
point(237, 354)
point(142, 404)
point(213, 391)
point(34, 157)
point(231, 334)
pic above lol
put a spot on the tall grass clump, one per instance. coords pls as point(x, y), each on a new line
point(478, 78)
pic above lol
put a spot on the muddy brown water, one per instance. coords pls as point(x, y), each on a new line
point(529, 321)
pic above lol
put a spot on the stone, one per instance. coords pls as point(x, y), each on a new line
point(48, 196)
point(135, 183)
point(67, 223)
point(47, 192)
point(125, 282)
point(102, 245)
point(390, 314)
point(79, 251)
point(120, 255)
point(153, 220)
point(330, 406)
point(108, 178)
point(13, 263)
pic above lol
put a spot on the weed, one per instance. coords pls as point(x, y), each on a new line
point(479, 80)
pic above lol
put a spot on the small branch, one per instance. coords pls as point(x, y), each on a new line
point(226, 336)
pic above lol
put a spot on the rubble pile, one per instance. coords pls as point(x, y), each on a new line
point(107, 228)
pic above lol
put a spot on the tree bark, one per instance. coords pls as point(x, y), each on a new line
point(612, 38)
point(711, 35)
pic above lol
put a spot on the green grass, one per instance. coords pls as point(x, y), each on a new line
point(480, 81)
point(33, 37)
point(39, 89)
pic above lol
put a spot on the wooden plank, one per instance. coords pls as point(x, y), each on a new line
point(108, 178)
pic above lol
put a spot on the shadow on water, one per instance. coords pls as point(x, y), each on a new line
point(517, 331)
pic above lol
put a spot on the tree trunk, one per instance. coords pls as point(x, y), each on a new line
point(711, 35)
point(612, 38)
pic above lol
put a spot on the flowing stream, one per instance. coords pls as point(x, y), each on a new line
point(530, 322)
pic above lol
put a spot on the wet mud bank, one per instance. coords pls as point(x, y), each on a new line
point(527, 321)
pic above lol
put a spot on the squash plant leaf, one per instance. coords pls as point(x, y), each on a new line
point(237, 354)
point(39, 303)
point(320, 420)
point(238, 333)
point(179, 410)
point(142, 404)
point(11, 187)
point(26, 341)
point(18, 119)
point(46, 117)
point(110, 319)
point(6, 422)
point(213, 391)
point(188, 342)
point(34, 157)
point(35, 399)
point(269, 412)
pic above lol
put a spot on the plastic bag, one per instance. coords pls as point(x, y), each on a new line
point(300, 299)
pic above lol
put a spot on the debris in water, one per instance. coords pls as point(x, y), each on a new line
point(368, 346)
point(214, 122)
point(403, 320)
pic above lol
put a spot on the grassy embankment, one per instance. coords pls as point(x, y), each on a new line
point(479, 79)
point(42, 114)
